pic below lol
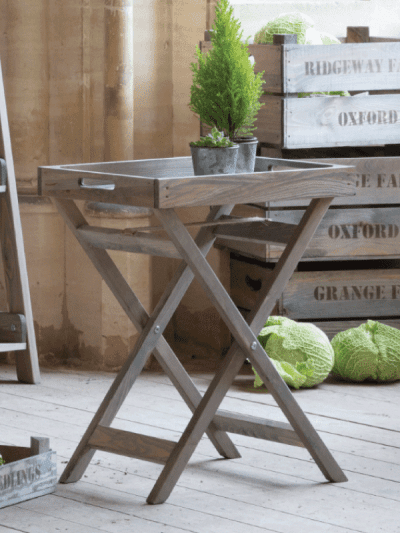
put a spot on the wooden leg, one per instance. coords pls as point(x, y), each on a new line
point(163, 352)
point(247, 342)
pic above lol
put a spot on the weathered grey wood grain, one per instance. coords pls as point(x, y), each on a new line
point(341, 121)
point(223, 221)
point(66, 183)
point(252, 250)
point(140, 242)
point(226, 487)
point(348, 67)
point(247, 282)
point(258, 232)
point(131, 444)
point(39, 445)
point(152, 327)
point(259, 428)
point(132, 367)
point(14, 261)
point(147, 168)
point(26, 474)
point(349, 233)
point(343, 293)
point(377, 181)
point(257, 187)
point(235, 357)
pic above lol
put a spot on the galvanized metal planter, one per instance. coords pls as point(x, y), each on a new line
point(218, 160)
point(247, 154)
point(28, 472)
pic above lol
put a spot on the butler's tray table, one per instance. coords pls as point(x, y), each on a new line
point(163, 185)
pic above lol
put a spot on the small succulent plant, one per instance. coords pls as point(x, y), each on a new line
point(215, 139)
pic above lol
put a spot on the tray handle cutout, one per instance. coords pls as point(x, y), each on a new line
point(85, 183)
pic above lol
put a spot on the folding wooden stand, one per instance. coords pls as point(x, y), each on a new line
point(16, 326)
point(163, 185)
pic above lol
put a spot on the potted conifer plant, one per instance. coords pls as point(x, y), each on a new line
point(225, 92)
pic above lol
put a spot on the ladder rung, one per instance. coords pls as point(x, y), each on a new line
point(131, 444)
point(140, 242)
point(260, 428)
point(258, 232)
point(12, 346)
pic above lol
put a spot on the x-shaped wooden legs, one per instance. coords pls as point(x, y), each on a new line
point(151, 339)
point(246, 345)
point(99, 435)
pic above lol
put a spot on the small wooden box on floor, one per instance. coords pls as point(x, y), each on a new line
point(27, 472)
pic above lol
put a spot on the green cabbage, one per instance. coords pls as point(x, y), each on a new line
point(369, 352)
point(293, 22)
point(301, 353)
point(303, 27)
point(327, 38)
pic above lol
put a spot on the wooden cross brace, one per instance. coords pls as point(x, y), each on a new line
point(206, 416)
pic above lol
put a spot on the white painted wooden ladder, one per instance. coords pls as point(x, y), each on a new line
point(17, 332)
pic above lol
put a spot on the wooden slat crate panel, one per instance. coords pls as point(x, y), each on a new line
point(269, 126)
point(337, 294)
point(320, 295)
point(247, 280)
point(341, 67)
point(293, 123)
point(340, 121)
point(348, 233)
point(377, 181)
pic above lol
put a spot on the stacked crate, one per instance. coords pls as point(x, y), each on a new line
point(351, 270)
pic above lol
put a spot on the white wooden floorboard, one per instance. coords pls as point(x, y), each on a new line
point(4, 529)
point(272, 488)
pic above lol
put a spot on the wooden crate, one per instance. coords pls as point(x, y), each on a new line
point(28, 472)
point(324, 297)
point(364, 226)
point(372, 66)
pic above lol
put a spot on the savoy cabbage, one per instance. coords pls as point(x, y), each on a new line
point(369, 352)
point(301, 352)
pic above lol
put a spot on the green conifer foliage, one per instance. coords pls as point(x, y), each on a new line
point(225, 92)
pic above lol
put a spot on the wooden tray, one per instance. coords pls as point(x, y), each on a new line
point(169, 182)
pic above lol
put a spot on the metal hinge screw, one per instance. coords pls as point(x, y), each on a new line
point(157, 329)
point(253, 346)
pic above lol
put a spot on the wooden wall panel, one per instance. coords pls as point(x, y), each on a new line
point(189, 21)
point(23, 54)
point(119, 81)
point(153, 42)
